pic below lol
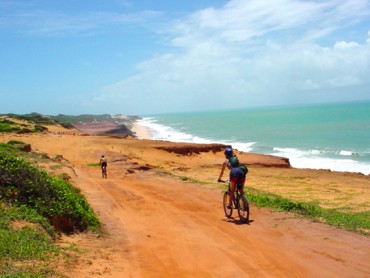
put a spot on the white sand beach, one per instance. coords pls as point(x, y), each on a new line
point(142, 132)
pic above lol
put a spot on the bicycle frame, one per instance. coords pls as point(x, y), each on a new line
point(240, 203)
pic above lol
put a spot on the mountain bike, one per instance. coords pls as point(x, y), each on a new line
point(240, 202)
point(104, 172)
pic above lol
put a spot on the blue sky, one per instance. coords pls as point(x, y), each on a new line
point(145, 57)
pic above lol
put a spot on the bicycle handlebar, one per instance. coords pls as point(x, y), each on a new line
point(219, 180)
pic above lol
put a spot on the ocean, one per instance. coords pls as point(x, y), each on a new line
point(333, 136)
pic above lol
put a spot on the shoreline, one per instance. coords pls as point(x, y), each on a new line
point(140, 131)
point(202, 162)
point(144, 133)
point(151, 182)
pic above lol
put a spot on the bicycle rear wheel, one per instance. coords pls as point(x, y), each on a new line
point(228, 211)
point(243, 209)
point(104, 173)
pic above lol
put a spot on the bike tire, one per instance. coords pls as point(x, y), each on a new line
point(228, 211)
point(243, 209)
point(104, 173)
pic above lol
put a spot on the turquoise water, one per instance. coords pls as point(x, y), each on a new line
point(326, 136)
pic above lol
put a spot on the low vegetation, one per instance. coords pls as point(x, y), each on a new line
point(34, 208)
point(9, 124)
point(34, 118)
point(351, 221)
point(67, 119)
point(358, 222)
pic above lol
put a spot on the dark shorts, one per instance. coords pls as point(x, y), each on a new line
point(237, 175)
point(104, 164)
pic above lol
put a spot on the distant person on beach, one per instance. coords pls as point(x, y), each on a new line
point(237, 175)
point(103, 164)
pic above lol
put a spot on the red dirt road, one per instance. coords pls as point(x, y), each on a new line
point(159, 227)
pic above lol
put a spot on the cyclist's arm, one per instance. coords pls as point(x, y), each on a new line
point(222, 170)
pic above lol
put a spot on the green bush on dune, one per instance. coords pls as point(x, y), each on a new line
point(8, 126)
point(54, 198)
point(33, 207)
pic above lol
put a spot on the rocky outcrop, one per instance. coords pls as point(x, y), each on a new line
point(189, 149)
point(244, 158)
point(265, 160)
point(106, 127)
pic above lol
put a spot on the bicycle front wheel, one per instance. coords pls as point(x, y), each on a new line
point(243, 209)
point(228, 211)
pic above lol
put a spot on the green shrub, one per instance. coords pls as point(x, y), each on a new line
point(22, 146)
point(8, 126)
point(67, 125)
point(25, 243)
point(23, 213)
point(40, 128)
point(5, 127)
point(54, 198)
point(26, 249)
point(7, 148)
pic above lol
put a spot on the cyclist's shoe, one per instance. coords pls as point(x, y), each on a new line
point(229, 206)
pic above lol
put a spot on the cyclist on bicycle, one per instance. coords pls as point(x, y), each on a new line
point(103, 162)
point(237, 175)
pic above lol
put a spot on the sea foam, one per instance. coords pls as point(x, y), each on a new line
point(162, 132)
point(320, 159)
point(303, 159)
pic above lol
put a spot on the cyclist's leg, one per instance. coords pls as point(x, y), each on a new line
point(234, 173)
point(241, 188)
point(232, 190)
point(244, 199)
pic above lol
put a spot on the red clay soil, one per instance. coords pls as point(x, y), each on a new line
point(158, 227)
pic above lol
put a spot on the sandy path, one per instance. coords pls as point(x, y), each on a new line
point(159, 227)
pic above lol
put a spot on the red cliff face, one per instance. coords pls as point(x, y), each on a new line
point(245, 158)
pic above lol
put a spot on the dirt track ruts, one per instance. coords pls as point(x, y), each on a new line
point(159, 227)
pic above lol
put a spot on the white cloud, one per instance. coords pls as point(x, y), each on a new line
point(253, 53)
point(344, 45)
point(40, 22)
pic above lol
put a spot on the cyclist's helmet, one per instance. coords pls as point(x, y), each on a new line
point(228, 152)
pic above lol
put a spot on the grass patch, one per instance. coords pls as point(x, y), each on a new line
point(25, 250)
point(93, 164)
point(190, 180)
point(358, 222)
point(34, 208)
point(52, 197)
point(9, 214)
point(7, 125)
point(24, 244)
point(55, 167)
